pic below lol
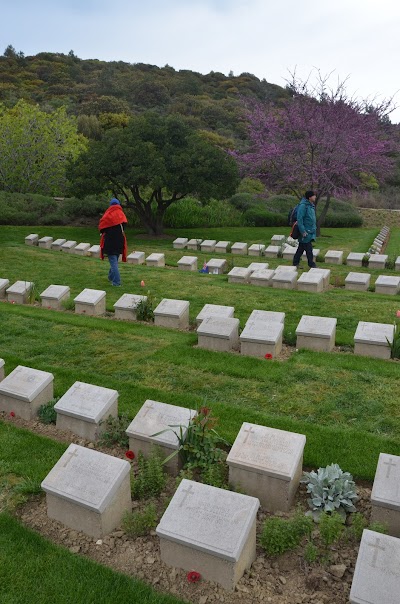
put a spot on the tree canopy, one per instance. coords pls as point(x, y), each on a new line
point(151, 163)
point(35, 147)
point(321, 139)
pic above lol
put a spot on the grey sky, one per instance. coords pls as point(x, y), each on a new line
point(355, 38)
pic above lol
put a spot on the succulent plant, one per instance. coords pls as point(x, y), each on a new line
point(332, 490)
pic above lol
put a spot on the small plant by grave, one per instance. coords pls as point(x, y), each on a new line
point(331, 490)
point(331, 528)
point(140, 523)
point(310, 553)
point(216, 475)
point(395, 344)
point(145, 308)
point(282, 534)
point(47, 414)
point(33, 295)
point(115, 431)
point(391, 263)
point(68, 304)
point(150, 478)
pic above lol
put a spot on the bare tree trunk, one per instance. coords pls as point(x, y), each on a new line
point(323, 214)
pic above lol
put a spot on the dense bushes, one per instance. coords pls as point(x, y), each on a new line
point(190, 213)
point(259, 217)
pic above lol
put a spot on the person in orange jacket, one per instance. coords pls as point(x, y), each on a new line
point(113, 239)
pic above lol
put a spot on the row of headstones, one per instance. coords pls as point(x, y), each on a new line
point(63, 245)
point(217, 328)
point(205, 528)
point(380, 241)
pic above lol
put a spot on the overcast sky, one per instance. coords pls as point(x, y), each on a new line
point(269, 38)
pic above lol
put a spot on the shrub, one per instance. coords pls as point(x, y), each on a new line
point(331, 489)
point(395, 344)
point(150, 479)
point(138, 524)
point(279, 534)
point(115, 431)
point(191, 213)
point(216, 475)
point(330, 528)
point(145, 308)
point(259, 217)
point(243, 201)
point(310, 553)
point(47, 413)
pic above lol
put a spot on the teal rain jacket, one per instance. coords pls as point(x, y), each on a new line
point(306, 221)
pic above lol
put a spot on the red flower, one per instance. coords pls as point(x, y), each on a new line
point(130, 454)
point(193, 576)
point(398, 313)
point(205, 410)
point(268, 356)
point(142, 284)
point(12, 414)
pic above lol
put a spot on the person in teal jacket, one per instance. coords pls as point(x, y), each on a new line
point(307, 224)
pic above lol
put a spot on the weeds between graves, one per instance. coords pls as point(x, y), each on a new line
point(46, 413)
point(145, 308)
point(395, 344)
point(149, 479)
point(114, 431)
point(141, 522)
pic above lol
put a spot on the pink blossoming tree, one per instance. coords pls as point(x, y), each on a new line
point(320, 139)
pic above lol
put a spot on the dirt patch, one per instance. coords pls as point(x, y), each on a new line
point(288, 579)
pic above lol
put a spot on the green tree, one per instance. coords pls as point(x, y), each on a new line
point(35, 147)
point(152, 163)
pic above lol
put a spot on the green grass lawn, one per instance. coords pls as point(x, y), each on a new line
point(347, 406)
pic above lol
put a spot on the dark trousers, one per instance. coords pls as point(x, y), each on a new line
point(308, 249)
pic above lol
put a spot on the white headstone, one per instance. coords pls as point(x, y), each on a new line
point(94, 251)
point(272, 251)
point(155, 260)
point(334, 256)
point(180, 243)
point(19, 292)
point(188, 263)
point(215, 310)
point(262, 277)
point(91, 302)
point(126, 306)
point(208, 245)
point(88, 490)
point(239, 248)
point(373, 339)
point(82, 249)
point(135, 258)
point(216, 266)
point(68, 246)
point(260, 337)
point(45, 242)
point(277, 239)
point(387, 284)
point(221, 247)
point(56, 245)
point(355, 259)
point(4, 284)
point(239, 274)
point(267, 315)
point(24, 390)
point(54, 295)
point(377, 260)
point(257, 249)
point(172, 313)
point(316, 333)
point(32, 239)
point(258, 266)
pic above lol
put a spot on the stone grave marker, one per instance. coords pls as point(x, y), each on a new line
point(284, 279)
point(155, 260)
point(325, 272)
point(267, 315)
point(334, 257)
point(208, 245)
point(373, 339)
point(257, 249)
point(24, 390)
point(68, 246)
point(126, 306)
point(180, 243)
point(187, 263)
point(19, 292)
point(376, 578)
point(4, 284)
point(88, 491)
point(194, 244)
point(136, 258)
point(277, 239)
point(286, 267)
point(221, 247)
point(355, 259)
point(262, 278)
point(267, 463)
point(258, 266)
point(56, 245)
point(316, 333)
point(211, 530)
point(359, 282)
point(91, 302)
point(215, 310)
point(2, 371)
point(217, 333)
point(260, 337)
point(94, 251)
point(272, 251)
point(172, 313)
point(54, 296)
point(83, 407)
point(239, 274)
point(155, 417)
point(397, 264)
point(387, 284)
point(45, 242)
point(310, 282)
point(377, 261)
point(239, 248)
point(217, 266)
point(385, 496)
point(32, 239)
point(82, 249)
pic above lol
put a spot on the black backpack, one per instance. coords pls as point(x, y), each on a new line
point(292, 216)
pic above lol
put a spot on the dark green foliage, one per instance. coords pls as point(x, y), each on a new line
point(331, 528)
point(191, 213)
point(395, 345)
point(150, 479)
point(145, 308)
point(259, 216)
point(115, 431)
point(358, 524)
point(279, 534)
point(216, 475)
point(244, 201)
point(47, 413)
point(140, 523)
point(310, 553)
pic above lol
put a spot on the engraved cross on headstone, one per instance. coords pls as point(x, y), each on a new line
point(390, 464)
point(376, 547)
point(187, 492)
point(248, 431)
point(148, 408)
point(31, 379)
point(71, 454)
